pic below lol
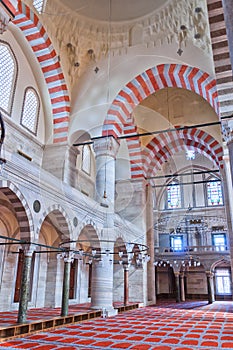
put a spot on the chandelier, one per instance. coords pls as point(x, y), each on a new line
point(111, 252)
point(186, 262)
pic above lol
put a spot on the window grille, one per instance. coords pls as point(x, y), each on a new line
point(176, 243)
point(223, 281)
point(86, 159)
point(8, 73)
point(39, 5)
point(30, 111)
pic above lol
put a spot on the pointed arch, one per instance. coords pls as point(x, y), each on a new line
point(152, 80)
point(164, 146)
point(21, 209)
point(61, 218)
point(119, 118)
point(38, 39)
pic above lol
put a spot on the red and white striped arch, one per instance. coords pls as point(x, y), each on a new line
point(154, 79)
point(41, 45)
point(163, 146)
point(119, 118)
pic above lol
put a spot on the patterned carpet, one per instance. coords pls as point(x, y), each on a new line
point(166, 326)
point(33, 315)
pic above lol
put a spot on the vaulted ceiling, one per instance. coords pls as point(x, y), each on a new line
point(117, 10)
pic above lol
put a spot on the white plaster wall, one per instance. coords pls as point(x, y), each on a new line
point(90, 106)
point(196, 283)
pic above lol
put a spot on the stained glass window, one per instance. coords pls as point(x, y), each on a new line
point(173, 196)
point(214, 193)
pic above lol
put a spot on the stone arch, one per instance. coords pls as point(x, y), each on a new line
point(119, 119)
point(223, 261)
point(90, 223)
point(154, 79)
point(20, 207)
point(27, 21)
point(164, 146)
point(61, 218)
point(88, 239)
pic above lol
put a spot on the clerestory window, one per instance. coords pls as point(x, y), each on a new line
point(8, 77)
point(86, 159)
point(214, 192)
point(30, 110)
point(39, 5)
point(173, 195)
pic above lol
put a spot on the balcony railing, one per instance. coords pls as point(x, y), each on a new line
point(224, 249)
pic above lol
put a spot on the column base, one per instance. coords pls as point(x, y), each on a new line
point(107, 311)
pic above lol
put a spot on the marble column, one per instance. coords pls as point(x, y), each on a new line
point(182, 290)
point(102, 284)
point(126, 284)
point(106, 150)
point(66, 283)
point(102, 274)
point(210, 287)
point(228, 189)
point(177, 279)
point(25, 284)
point(150, 239)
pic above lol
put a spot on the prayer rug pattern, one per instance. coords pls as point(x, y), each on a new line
point(166, 326)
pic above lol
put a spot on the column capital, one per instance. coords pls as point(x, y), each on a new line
point(107, 146)
point(28, 249)
point(69, 257)
point(209, 274)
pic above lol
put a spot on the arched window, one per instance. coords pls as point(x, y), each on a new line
point(39, 5)
point(173, 195)
point(86, 159)
point(8, 76)
point(30, 111)
point(214, 192)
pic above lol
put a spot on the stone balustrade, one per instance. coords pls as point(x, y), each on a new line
point(223, 249)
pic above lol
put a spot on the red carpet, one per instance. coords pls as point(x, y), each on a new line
point(184, 326)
